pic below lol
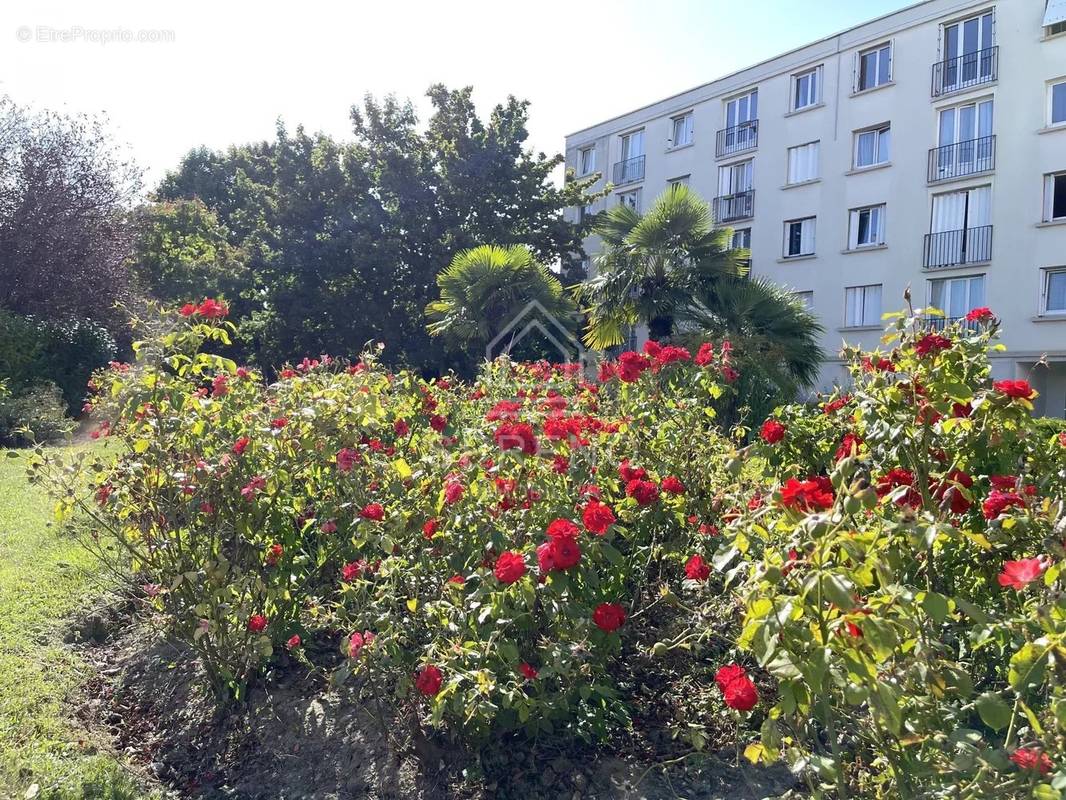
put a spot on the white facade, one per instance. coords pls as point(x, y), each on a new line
point(919, 149)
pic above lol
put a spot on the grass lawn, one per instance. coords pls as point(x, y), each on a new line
point(44, 578)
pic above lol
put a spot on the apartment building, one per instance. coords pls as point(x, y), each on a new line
point(925, 148)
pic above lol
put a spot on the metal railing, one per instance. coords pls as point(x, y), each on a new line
point(939, 324)
point(630, 170)
point(962, 72)
point(951, 248)
point(737, 139)
point(962, 158)
point(731, 207)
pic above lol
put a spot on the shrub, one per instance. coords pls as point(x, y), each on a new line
point(33, 416)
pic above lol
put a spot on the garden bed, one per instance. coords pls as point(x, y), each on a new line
point(298, 737)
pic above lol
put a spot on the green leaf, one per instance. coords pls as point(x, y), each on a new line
point(994, 711)
point(936, 606)
point(1027, 667)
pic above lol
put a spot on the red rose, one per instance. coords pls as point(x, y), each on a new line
point(250, 489)
point(1032, 757)
point(982, 314)
point(257, 623)
point(705, 354)
point(429, 527)
point(357, 641)
point(1019, 574)
point(835, 405)
point(849, 446)
point(438, 422)
point(560, 464)
point(1018, 390)
point(772, 431)
point(896, 478)
point(558, 528)
point(453, 492)
point(672, 485)
point(609, 616)
point(279, 423)
point(737, 688)
point(597, 517)
point(564, 552)
point(373, 511)
point(457, 580)
point(997, 502)
point(950, 488)
point(241, 445)
point(931, 344)
point(187, 310)
point(346, 459)
point(528, 670)
point(545, 558)
point(644, 492)
point(401, 428)
point(697, 569)
point(212, 309)
point(428, 680)
point(629, 473)
point(293, 642)
point(813, 494)
point(516, 436)
point(510, 567)
point(352, 570)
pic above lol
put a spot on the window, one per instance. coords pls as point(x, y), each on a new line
point(799, 237)
point(682, 133)
point(1055, 17)
point(735, 198)
point(742, 109)
point(679, 181)
point(873, 147)
point(1055, 197)
point(1056, 103)
point(965, 141)
point(584, 212)
point(806, 91)
point(632, 145)
point(960, 230)
point(862, 306)
point(957, 297)
point(803, 163)
point(587, 160)
point(806, 298)
point(630, 167)
point(968, 55)
point(735, 179)
point(866, 227)
point(875, 67)
point(1054, 291)
point(741, 239)
point(631, 199)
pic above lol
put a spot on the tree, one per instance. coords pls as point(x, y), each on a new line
point(182, 251)
point(674, 270)
point(485, 288)
point(65, 229)
point(344, 239)
point(651, 265)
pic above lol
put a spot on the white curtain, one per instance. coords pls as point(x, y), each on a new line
point(949, 212)
point(980, 207)
point(803, 163)
point(807, 237)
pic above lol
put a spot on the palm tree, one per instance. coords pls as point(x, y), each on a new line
point(675, 271)
point(485, 288)
point(650, 266)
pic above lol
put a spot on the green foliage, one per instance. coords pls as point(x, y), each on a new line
point(906, 666)
point(182, 251)
point(61, 352)
point(343, 239)
point(36, 415)
point(487, 288)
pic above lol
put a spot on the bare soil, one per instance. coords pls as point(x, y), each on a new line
point(299, 737)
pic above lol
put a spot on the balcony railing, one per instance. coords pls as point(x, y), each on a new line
point(962, 72)
point(739, 138)
point(939, 324)
point(962, 158)
point(630, 170)
point(954, 248)
point(731, 207)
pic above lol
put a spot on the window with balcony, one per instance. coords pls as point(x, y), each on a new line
point(1054, 291)
point(631, 166)
point(875, 67)
point(806, 89)
point(1056, 103)
point(736, 199)
point(966, 142)
point(799, 237)
point(866, 227)
point(741, 131)
point(630, 199)
point(862, 306)
point(587, 160)
point(873, 146)
point(957, 297)
point(1055, 197)
point(803, 163)
point(1055, 17)
point(960, 229)
point(681, 130)
point(969, 55)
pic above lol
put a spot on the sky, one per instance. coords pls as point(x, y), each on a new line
point(170, 76)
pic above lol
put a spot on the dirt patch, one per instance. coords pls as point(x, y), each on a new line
point(298, 737)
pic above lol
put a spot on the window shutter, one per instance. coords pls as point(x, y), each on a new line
point(807, 237)
point(853, 230)
point(872, 305)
